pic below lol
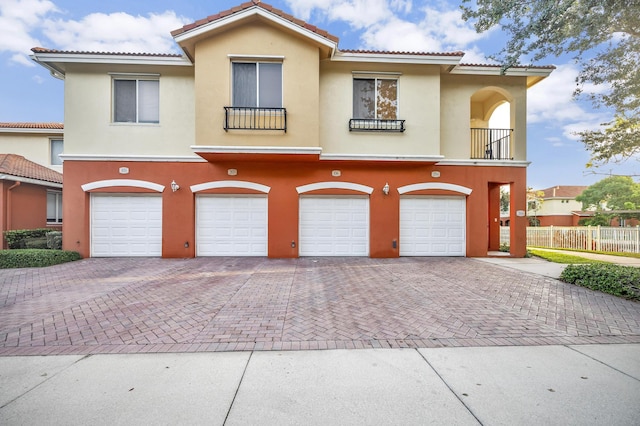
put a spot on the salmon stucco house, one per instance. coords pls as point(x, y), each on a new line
point(265, 139)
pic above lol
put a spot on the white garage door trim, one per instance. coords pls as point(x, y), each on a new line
point(124, 225)
point(231, 225)
point(334, 226)
point(433, 226)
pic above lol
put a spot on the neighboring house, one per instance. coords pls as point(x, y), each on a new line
point(41, 143)
point(30, 194)
point(266, 139)
point(557, 206)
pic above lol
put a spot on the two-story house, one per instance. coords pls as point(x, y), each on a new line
point(557, 206)
point(30, 178)
point(266, 139)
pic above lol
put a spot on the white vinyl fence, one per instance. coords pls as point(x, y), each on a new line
point(599, 238)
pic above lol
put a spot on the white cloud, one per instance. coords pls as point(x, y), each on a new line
point(399, 35)
point(552, 101)
point(450, 27)
point(357, 13)
point(22, 59)
point(18, 20)
point(25, 24)
point(395, 26)
point(116, 32)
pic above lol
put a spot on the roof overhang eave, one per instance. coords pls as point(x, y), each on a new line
point(40, 182)
point(55, 62)
point(533, 74)
point(402, 58)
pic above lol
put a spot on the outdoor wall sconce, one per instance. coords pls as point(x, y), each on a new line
point(174, 186)
point(293, 244)
point(385, 189)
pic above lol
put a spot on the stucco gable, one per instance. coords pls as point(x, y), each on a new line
point(189, 34)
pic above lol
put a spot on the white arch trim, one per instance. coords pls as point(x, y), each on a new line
point(230, 184)
point(334, 185)
point(122, 182)
point(435, 185)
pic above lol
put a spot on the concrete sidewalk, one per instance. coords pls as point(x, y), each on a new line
point(563, 385)
point(536, 265)
point(533, 265)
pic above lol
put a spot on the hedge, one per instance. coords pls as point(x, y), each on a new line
point(27, 238)
point(623, 281)
point(35, 258)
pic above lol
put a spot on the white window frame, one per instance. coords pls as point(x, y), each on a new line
point(137, 78)
point(257, 62)
point(55, 160)
point(58, 207)
point(375, 76)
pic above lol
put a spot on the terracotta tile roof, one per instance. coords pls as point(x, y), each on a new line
point(17, 165)
point(563, 191)
point(248, 5)
point(25, 125)
point(84, 52)
point(382, 52)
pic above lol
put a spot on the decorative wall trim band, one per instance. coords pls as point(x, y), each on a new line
point(230, 184)
point(434, 185)
point(334, 185)
point(122, 182)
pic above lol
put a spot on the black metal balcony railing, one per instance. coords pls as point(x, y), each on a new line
point(252, 118)
point(372, 125)
point(491, 144)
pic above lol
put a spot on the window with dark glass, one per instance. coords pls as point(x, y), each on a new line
point(136, 101)
point(54, 207)
point(257, 84)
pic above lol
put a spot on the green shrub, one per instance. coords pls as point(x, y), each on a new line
point(23, 238)
point(35, 258)
point(54, 240)
point(623, 281)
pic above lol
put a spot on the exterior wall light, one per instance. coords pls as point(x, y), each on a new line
point(174, 186)
point(385, 188)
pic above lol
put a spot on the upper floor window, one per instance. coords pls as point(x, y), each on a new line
point(375, 103)
point(375, 98)
point(257, 84)
point(136, 100)
point(56, 148)
point(54, 207)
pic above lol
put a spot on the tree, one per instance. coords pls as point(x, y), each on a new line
point(603, 36)
point(505, 200)
point(617, 193)
point(534, 203)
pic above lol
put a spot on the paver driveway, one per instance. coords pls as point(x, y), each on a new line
point(222, 304)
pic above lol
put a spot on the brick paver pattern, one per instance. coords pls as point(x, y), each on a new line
point(226, 304)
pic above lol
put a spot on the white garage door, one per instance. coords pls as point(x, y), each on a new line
point(231, 225)
point(126, 225)
point(433, 226)
point(334, 226)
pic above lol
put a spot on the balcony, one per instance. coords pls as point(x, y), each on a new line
point(252, 118)
point(491, 144)
point(372, 125)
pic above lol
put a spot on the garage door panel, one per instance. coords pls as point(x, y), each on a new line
point(334, 226)
point(231, 225)
point(433, 226)
point(126, 225)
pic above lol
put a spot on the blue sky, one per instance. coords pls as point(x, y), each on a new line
point(29, 93)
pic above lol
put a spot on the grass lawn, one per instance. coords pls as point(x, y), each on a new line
point(561, 257)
